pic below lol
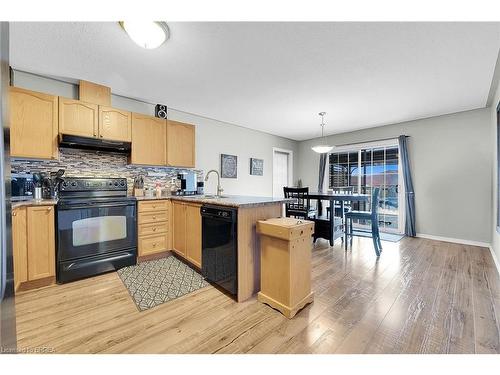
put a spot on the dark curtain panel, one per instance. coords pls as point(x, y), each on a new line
point(409, 193)
point(322, 165)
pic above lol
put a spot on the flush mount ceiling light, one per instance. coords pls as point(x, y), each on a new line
point(147, 34)
point(323, 147)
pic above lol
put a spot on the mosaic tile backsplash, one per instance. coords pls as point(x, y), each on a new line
point(84, 163)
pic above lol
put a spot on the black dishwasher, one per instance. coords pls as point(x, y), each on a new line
point(219, 257)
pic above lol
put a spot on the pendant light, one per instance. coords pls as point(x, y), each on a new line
point(323, 147)
point(147, 34)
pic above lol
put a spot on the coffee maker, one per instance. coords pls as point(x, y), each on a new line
point(187, 182)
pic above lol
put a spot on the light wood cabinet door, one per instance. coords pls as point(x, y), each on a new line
point(41, 242)
point(149, 140)
point(179, 227)
point(19, 246)
point(193, 234)
point(78, 118)
point(33, 124)
point(115, 124)
point(180, 144)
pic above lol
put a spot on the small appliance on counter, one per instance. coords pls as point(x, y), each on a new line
point(188, 183)
point(200, 188)
point(22, 187)
point(51, 183)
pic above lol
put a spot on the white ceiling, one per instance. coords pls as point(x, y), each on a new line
point(276, 77)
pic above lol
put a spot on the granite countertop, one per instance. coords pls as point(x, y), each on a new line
point(228, 200)
point(33, 202)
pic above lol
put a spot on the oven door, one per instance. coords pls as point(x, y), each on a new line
point(95, 228)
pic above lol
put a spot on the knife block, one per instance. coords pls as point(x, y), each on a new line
point(138, 192)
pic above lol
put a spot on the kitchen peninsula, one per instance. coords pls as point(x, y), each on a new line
point(179, 221)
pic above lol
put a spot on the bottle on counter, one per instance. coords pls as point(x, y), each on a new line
point(158, 190)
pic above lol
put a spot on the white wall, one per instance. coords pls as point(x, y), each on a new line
point(495, 237)
point(212, 138)
point(451, 161)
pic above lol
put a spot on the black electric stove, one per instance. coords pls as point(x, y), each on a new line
point(96, 227)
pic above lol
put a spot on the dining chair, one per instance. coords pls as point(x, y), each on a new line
point(338, 206)
point(371, 216)
point(300, 208)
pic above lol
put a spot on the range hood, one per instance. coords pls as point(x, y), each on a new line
point(88, 143)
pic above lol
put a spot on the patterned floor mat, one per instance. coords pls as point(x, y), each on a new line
point(155, 282)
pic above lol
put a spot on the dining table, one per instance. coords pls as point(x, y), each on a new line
point(328, 228)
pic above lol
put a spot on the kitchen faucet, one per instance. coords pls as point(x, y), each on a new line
point(219, 188)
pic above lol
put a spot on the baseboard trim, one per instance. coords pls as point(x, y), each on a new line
point(495, 259)
point(454, 240)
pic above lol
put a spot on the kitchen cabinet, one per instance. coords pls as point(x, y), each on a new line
point(33, 124)
point(115, 124)
point(78, 118)
point(187, 231)
point(154, 234)
point(179, 227)
point(19, 246)
point(149, 140)
point(33, 240)
point(180, 144)
point(193, 234)
point(84, 119)
point(93, 93)
point(41, 242)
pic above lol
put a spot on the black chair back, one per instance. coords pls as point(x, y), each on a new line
point(300, 207)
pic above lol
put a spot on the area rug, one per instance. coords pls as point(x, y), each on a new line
point(158, 281)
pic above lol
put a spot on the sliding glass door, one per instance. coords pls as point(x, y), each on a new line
point(363, 168)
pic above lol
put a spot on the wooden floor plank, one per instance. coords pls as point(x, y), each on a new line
point(419, 296)
point(487, 337)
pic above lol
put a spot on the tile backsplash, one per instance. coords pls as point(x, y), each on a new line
point(84, 163)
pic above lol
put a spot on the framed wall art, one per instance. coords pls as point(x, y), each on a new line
point(228, 166)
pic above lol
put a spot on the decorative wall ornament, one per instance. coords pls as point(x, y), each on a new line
point(256, 167)
point(229, 166)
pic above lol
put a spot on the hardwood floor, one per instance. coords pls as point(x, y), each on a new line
point(421, 296)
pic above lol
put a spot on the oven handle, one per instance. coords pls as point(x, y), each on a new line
point(74, 265)
point(93, 205)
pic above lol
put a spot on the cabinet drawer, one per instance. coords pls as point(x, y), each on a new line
point(150, 206)
point(152, 244)
point(153, 228)
point(153, 217)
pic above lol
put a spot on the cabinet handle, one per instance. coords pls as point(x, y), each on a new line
point(49, 208)
point(154, 229)
point(101, 136)
point(14, 213)
point(154, 245)
point(154, 217)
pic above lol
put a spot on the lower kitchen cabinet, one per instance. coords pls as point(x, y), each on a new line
point(33, 239)
point(154, 235)
point(187, 231)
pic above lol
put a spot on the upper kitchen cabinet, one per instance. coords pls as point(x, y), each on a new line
point(149, 140)
point(91, 120)
point(180, 144)
point(78, 118)
point(115, 124)
point(33, 124)
point(94, 93)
